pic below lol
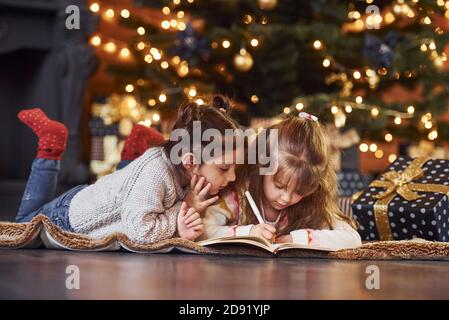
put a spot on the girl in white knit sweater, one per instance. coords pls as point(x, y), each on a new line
point(298, 200)
point(150, 199)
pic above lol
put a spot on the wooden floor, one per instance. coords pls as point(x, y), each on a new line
point(42, 274)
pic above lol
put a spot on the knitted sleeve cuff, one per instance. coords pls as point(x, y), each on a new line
point(243, 230)
point(300, 236)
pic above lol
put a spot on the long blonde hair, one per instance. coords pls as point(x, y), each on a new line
point(304, 160)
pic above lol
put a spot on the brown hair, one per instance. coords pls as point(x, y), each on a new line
point(213, 113)
point(303, 160)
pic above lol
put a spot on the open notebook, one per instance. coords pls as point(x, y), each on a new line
point(261, 243)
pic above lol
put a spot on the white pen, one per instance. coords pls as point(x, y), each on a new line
point(254, 207)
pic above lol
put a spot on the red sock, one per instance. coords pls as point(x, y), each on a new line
point(52, 134)
point(140, 140)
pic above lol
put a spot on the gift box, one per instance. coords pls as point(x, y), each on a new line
point(350, 182)
point(409, 201)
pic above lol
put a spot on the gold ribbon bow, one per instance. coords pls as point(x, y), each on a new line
point(400, 183)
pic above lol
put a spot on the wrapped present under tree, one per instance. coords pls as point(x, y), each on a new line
point(408, 201)
point(351, 182)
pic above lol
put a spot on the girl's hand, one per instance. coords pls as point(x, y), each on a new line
point(196, 197)
point(285, 238)
point(263, 231)
point(190, 225)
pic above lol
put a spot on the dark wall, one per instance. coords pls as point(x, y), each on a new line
point(23, 82)
point(42, 64)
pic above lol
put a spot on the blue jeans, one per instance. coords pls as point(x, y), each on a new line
point(38, 197)
point(123, 164)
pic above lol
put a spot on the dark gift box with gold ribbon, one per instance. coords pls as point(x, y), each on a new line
point(409, 201)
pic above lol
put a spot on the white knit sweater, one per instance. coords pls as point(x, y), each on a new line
point(141, 200)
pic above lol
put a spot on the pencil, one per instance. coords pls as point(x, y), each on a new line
point(254, 207)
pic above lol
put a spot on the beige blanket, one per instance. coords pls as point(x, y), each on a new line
point(40, 232)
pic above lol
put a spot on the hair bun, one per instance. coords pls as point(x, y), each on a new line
point(192, 111)
point(188, 112)
point(222, 103)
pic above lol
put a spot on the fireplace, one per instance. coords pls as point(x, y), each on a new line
point(42, 64)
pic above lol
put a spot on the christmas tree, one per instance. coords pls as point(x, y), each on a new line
point(377, 66)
